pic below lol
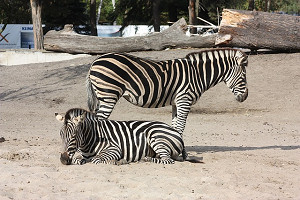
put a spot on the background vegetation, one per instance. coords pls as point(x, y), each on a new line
point(56, 13)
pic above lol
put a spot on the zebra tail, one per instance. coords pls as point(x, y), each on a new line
point(191, 159)
point(92, 98)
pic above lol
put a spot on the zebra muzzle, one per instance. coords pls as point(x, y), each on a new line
point(242, 97)
point(65, 159)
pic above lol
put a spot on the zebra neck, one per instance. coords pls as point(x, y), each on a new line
point(206, 73)
point(89, 134)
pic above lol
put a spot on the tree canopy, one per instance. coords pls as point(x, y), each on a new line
point(56, 13)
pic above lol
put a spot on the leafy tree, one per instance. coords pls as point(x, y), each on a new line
point(107, 11)
point(15, 12)
point(141, 11)
point(57, 13)
point(132, 12)
point(286, 6)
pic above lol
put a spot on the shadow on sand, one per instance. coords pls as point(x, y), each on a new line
point(205, 149)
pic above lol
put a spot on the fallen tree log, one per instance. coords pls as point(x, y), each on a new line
point(68, 41)
point(258, 30)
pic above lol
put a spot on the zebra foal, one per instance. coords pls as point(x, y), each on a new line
point(178, 82)
point(116, 142)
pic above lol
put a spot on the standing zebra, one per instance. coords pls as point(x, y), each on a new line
point(178, 82)
point(117, 142)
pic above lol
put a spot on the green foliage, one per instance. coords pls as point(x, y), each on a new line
point(289, 6)
point(215, 6)
point(57, 13)
point(107, 11)
point(140, 11)
point(132, 12)
point(286, 6)
point(15, 12)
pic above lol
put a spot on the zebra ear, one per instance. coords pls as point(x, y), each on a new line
point(79, 119)
point(243, 61)
point(59, 117)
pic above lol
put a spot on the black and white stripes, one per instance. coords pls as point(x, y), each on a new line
point(178, 82)
point(117, 142)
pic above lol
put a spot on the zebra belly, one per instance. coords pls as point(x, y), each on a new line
point(152, 103)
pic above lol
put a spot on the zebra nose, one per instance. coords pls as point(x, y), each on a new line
point(242, 97)
point(65, 159)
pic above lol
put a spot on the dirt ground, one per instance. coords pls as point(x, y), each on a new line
point(251, 150)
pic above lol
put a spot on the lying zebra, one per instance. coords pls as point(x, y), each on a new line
point(117, 142)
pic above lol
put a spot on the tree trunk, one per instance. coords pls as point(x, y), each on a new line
point(156, 15)
point(258, 30)
point(99, 12)
point(36, 11)
point(267, 5)
point(93, 17)
point(172, 11)
point(192, 16)
point(71, 42)
point(251, 5)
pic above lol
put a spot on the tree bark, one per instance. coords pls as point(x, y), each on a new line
point(71, 42)
point(156, 15)
point(93, 17)
point(259, 30)
point(99, 12)
point(251, 5)
point(192, 16)
point(36, 11)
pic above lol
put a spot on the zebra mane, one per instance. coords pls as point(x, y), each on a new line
point(75, 112)
point(241, 53)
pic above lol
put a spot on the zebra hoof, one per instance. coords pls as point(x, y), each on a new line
point(121, 162)
point(65, 159)
point(147, 159)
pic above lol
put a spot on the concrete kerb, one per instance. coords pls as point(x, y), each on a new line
point(19, 57)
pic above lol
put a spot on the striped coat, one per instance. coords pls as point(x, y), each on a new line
point(178, 82)
point(117, 142)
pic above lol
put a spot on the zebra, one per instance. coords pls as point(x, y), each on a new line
point(178, 82)
point(117, 142)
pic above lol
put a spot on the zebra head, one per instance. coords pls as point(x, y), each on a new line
point(236, 77)
point(69, 133)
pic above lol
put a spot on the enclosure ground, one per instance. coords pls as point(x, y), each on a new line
point(251, 150)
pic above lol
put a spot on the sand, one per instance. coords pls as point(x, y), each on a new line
point(251, 150)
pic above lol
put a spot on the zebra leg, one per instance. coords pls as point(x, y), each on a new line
point(111, 155)
point(184, 154)
point(104, 109)
point(162, 152)
point(174, 116)
point(163, 160)
point(79, 160)
point(183, 109)
point(100, 159)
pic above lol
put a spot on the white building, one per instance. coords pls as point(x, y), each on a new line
point(16, 36)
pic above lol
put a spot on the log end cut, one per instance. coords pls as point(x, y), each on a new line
point(234, 18)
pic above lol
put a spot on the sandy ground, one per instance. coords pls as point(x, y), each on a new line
point(251, 150)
